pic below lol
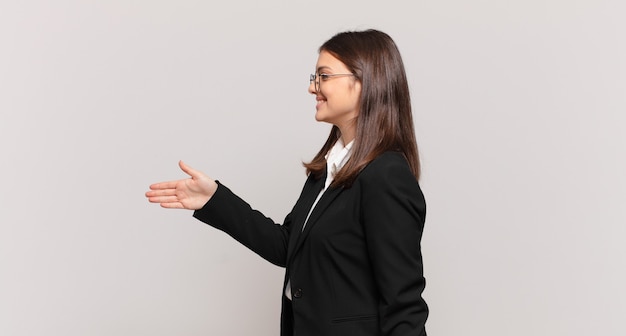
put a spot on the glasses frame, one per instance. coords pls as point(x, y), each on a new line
point(317, 78)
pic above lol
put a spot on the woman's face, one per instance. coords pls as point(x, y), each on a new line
point(338, 96)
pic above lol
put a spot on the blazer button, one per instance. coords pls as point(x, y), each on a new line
point(297, 293)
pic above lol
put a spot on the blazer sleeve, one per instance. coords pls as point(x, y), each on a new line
point(229, 213)
point(393, 213)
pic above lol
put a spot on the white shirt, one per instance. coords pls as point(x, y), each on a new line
point(335, 160)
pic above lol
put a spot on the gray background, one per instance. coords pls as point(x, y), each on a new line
point(519, 106)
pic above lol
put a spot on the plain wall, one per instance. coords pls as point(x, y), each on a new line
point(520, 110)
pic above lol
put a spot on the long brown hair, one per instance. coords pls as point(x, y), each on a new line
point(385, 120)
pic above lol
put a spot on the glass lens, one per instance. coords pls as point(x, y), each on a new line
point(314, 78)
point(318, 83)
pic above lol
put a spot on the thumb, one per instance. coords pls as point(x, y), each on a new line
point(188, 170)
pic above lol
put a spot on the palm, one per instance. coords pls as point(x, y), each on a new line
point(191, 192)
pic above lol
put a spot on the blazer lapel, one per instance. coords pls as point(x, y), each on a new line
point(311, 190)
point(327, 198)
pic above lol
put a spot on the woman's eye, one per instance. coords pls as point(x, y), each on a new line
point(323, 76)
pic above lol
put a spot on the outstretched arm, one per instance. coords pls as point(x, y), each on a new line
point(226, 212)
point(190, 193)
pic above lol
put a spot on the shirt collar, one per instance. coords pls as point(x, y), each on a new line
point(337, 157)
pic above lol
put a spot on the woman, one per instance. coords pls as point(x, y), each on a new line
point(351, 244)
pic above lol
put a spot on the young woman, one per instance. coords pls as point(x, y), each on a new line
point(351, 244)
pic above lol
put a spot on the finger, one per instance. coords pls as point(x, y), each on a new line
point(164, 185)
point(189, 171)
point(163, 199)
point(161, 192)
point(175, 205)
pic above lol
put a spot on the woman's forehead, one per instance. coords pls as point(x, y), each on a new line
point(326, 61)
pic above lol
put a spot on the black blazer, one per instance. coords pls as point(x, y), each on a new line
point(356, 268)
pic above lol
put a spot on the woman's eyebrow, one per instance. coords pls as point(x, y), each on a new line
point(323, 67)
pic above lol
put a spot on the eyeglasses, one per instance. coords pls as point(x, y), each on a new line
point(317, 78)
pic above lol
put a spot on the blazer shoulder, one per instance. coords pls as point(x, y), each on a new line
point(386, 162)
point(389, 175)
point(388, 167)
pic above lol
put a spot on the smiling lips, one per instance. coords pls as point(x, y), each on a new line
point(320, 100)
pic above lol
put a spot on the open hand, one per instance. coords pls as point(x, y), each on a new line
point(191, 193)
